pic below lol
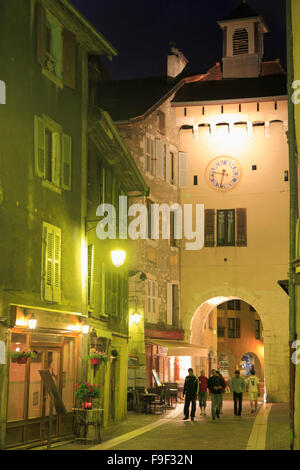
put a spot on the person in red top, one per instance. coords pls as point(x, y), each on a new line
point(202, 394)
point(223, 389)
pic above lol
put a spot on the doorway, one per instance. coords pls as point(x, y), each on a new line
point(28, 402)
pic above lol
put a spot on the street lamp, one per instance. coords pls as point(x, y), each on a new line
point(118, 257)
point(85, 328)
point(32, 322)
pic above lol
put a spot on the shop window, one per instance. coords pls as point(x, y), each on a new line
point(16, 389)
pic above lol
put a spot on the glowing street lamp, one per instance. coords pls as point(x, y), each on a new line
point(85, 328)
point(32, 322)
point(118, 257)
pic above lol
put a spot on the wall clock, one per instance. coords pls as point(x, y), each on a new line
point(223, 173)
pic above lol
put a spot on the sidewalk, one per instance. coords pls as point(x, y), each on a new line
point(278, 427)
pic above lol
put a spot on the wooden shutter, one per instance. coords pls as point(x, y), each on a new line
point(169, 304)
point(175, 304)
point(41, 35)
point(56, 143)
point(69, 59)
point(168, 165)
point(159, 158)
point(241, 222)
point(209, 227)
point(66, 161)
point(52, 263)
point(91, 275)
point(57, 266)
point(183, 169)
point(39, 146)
point(49, 268)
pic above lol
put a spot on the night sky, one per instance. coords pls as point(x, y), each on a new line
point(141, 31)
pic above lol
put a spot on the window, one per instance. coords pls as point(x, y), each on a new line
point(257, 329)
point(234, 328)
point(173, 241)
point(150, 161)
point(53, 151)
point(231, 227)
point(226, 227)
point(221, 328)
point(234, 304)
point(161, 118)
point(51, 256)
point(152, 293)
point(172, 168)
point(111, 290)
point(240, 41)
point(56, 49)
point(173, 303)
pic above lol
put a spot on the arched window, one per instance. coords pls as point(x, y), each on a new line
point(240, 42)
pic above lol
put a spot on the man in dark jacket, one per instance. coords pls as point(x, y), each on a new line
point(190, 391)
point(215, 386)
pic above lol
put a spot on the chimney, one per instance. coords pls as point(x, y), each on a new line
point(176, 61)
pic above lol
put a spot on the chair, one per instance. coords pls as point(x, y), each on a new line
point(171, 392)
point(159, 402)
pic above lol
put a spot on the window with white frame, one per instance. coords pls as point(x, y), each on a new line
point(152, 301)
point(51, 266)
point(53, 152)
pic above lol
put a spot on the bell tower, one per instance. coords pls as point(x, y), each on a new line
point(243, 42)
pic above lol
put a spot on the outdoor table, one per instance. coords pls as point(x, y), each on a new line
point(85, 418)
point(148, 398)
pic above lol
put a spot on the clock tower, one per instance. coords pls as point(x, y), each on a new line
point(243, 45)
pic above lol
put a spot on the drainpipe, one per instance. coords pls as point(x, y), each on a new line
point(293, 215)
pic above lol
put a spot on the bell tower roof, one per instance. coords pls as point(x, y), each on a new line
point(243, 12)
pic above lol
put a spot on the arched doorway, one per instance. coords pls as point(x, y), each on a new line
point(231, 330)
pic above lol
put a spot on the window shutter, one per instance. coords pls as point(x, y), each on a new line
point(168, 165)
point(237, 328)
point(159, 158)
point(56, 158)
point(183, 169)
point(66, 161)
point(241, 215)
point(57, 266)
point(169, 304)
point(209, 227)
point(48, 260)
point(69, 59)
point(41, 35)
point(39, 146)
point(91, 275)
point(175, 303)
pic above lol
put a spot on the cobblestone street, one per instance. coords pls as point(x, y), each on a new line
point(170, 432)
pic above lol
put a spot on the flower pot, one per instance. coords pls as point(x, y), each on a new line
point(22, 360)
point(87, 402)
point(95, 361)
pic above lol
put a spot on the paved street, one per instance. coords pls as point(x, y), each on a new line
point(170, 432)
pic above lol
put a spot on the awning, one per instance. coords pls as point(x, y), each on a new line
point(179, 348)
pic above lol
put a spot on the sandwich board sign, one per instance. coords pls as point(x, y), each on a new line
point(51, 388)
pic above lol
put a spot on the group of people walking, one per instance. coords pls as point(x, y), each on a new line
point(197, 387)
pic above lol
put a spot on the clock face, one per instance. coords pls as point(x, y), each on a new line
point(223, 173)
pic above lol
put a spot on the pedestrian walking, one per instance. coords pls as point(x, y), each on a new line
point(190, 391)
point(252, 383)
point(215, 386)
point(238, 386)
point(202, 395)
point(222, 391)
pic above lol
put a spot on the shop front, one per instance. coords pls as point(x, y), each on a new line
point(27, 401)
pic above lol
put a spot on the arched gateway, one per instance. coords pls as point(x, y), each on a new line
point(202, 327)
